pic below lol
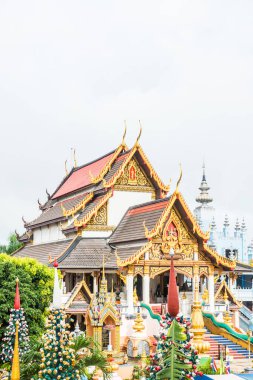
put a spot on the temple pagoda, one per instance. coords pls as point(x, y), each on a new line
point(116, 209)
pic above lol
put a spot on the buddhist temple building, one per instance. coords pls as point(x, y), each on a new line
point(111, 225)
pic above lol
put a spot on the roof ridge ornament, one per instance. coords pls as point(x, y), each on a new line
point(66, 169)
point(74, 157)
point(48, 195)
point(139, 135)
point(179, 179)
point(124, 135)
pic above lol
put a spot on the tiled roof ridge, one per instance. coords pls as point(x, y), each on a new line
point(91, 213)
point(119, 152)
point(118, 173)
point(69, 248)
point(79, 206)
point(140, 205)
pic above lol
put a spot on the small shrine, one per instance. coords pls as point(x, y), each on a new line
point(103, 318)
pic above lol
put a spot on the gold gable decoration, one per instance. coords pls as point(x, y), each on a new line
point(94, 211)
point(133, 176)
point(80, 206)
point(100, 218)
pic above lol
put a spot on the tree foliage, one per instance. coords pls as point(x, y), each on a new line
point(36, 286)
point(86, 354)
point(174, 358)
point(57, 353)
point(12, 246)
point(7, 347)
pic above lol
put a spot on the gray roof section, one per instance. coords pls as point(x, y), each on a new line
point(54, 213)
point(41, 252)
point(131, 226)
point(89, 254)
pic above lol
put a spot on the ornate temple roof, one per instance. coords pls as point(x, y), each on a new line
point(84, 183)
point(131, 226)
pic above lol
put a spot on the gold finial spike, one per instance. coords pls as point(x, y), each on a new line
point(179, 179)
point(74, 157)
point(124, 134)
point(15, 370)
point(139, 136)
point(66, 169)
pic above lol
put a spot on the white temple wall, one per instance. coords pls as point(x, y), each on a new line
point(45, 234)
point(121, 201)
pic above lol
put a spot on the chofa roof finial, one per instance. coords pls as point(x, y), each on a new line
point(66, 169)
point(74, 157)
point(179, 179)
point(124, 134)
point(48, 195)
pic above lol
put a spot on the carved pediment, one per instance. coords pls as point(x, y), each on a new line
point(100, 219)
point(133, 176)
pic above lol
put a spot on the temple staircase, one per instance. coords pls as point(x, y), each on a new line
point(218, 341)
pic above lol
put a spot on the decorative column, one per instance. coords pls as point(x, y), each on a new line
point(146, 285)
point(197, 327)
point(130, 290)
point(95, 282)
point(211, 289)
point(117, 339)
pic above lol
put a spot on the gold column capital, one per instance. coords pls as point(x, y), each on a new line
point(146, 270)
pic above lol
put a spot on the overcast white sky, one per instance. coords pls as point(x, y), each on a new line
point(72, 71)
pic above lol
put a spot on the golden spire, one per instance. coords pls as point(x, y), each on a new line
point(15, 371)
point(179, 179)
point(139, 135)
point(124, 134)
point(74, 157)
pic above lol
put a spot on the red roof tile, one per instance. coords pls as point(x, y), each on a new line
point(148, 208)
point(81, 177)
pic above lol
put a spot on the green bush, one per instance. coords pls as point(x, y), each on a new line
point(36, 286)
point(205, 366)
